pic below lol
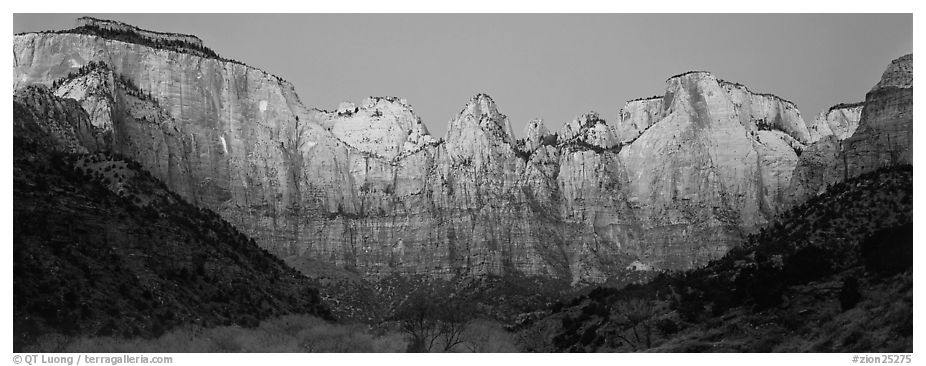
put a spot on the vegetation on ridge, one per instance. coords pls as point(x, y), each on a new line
point(122, 24)
point(788, 102)
point(845, 106)
point(645, 98)
point(687, 73)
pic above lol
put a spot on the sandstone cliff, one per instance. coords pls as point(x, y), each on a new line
point(840, 120)
point(636, 116)
point(882, 136)
point(536, 135)
point(671, 183)
point(711, 169)
point(386, 128)
point(55, 124)
point(885, 132)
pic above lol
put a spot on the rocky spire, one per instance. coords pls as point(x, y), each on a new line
point(899, 74)
point(534, 133)
point(589, 129)
point(480, 131)
point(481, 113)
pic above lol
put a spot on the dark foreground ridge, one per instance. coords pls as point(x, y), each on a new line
point(101, 248)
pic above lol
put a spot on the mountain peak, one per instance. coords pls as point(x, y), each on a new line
point(590, 129)
point(899, 73)
point(534, 133)
point(481, 111)
point(483, 106)
point(534, 127)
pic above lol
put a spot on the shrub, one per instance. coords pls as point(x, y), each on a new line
point(849, 295)
point(487, 336)
point(807, 264)
point(889, 251)
point(667, 327)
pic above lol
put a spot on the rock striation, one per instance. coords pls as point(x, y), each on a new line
point(671, 183)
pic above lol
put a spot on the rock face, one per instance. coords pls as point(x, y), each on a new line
point(885, 132)
point(883, 135)
point(839, 121)
point(712, 168)
point(55, 124)
point(537, 135)
point(766, 112)
point(383, 127)
point(819, 166)
point(670, 184)
point(589, 130)
point(638, 115)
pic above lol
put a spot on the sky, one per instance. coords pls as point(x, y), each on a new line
point(550, 66)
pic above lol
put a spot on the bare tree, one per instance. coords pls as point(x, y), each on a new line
point(416, 317)
point(433, 322)
point(635, 315)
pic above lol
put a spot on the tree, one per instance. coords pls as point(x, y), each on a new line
point(636, 316)
point(483, 336)
point(433, 320)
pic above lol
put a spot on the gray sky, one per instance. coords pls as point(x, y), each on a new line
point(554, 66)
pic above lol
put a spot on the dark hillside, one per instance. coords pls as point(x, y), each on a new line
point(101, 248)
